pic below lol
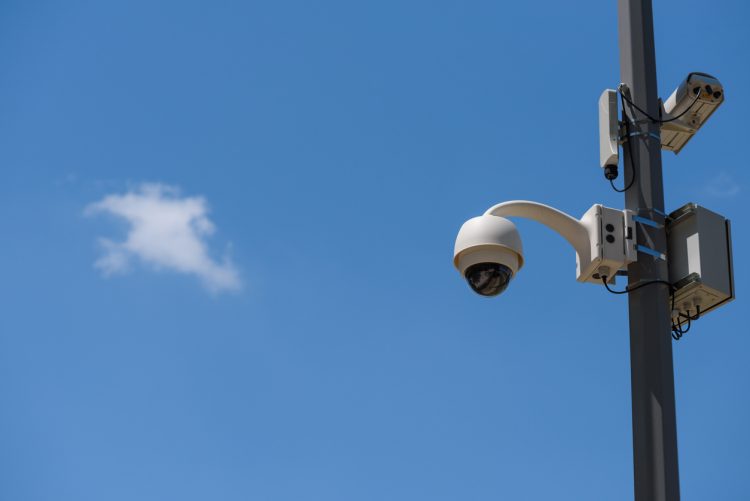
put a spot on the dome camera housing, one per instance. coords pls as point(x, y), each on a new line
point(488, 253)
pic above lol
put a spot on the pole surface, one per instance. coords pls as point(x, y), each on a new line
point(655, 468)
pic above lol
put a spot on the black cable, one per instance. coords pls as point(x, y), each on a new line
point(604, 281)
point(677, 329)
point(676, 333)
point(659, 120)
point(697, 314)
point(611, 182)
point(631, 289)
point(688, 326)
point(630, 151)
point(644, 284)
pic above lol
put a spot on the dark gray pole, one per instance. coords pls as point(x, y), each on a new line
point(655, 469)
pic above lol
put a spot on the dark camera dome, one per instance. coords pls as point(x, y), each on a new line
point(488, 279)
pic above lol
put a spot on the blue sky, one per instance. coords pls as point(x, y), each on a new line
point(227, 239)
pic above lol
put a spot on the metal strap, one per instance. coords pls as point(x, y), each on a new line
point(647, 222)
point(651, 252)
point(652, 135)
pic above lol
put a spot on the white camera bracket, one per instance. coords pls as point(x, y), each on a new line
point(604, 238)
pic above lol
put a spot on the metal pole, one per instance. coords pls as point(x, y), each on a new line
point(655, 469)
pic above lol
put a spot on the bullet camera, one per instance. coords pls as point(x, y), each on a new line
point(682, 115)
point(688, 108)
point(488, 253)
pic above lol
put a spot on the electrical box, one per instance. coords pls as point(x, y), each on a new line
point(612, 243)
point(699, 250)
point(609, 129)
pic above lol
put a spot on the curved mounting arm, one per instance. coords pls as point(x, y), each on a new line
point(570, 228)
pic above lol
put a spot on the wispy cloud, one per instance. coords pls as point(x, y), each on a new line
point(723, 186)
point(166, 231)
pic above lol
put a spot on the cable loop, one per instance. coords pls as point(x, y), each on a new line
point(677, 329)
point(627, 121)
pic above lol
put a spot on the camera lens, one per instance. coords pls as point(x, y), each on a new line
point(488, 279)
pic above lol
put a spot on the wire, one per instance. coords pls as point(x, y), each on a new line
point(630, 151)
point(618, 190)
point(659, 120)
point(631, 289)
point(697, 313)
point(627, 120)
point(604, 281)
point(677, 330)
point(695, 100)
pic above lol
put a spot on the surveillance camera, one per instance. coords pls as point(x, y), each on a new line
point(488, 250)
point(688, 108)
point(488, 253)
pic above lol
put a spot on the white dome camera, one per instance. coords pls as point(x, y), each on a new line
point(488, 253)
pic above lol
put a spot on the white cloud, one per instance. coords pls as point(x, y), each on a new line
point(723, 186)
point(166, 231)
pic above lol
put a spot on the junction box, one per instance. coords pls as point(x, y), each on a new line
point(699, 250)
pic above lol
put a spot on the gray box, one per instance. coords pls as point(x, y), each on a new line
point(699, 252)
